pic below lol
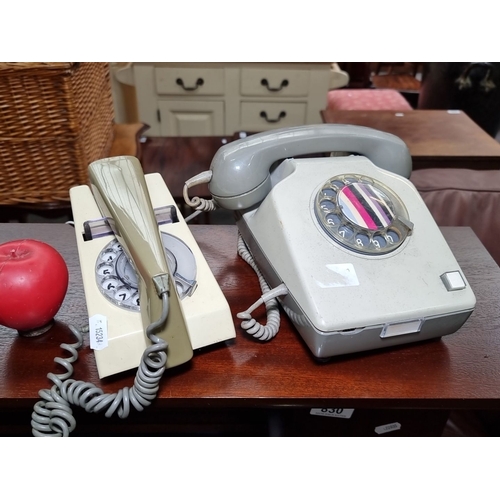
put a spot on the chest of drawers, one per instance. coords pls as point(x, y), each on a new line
point(207, 99)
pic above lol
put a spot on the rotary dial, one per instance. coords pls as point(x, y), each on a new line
point(362, 214)
point(117, 278)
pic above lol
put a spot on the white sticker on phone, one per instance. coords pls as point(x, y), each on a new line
point(339, 275)
point(333, 412)
point(383, 429)
point(98, 332)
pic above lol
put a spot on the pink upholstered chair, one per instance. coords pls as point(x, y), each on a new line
point(367, 99)
point(384, 92)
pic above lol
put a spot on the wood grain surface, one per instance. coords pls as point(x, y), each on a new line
point(461, 370)
point(435, 138)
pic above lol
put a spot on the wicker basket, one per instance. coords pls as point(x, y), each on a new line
point(55, 118)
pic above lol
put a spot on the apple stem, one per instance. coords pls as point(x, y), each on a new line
point(13, 252)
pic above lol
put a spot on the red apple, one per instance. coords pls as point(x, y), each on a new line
point(33, 283)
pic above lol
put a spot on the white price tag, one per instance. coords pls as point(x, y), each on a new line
point(98, 332)
point(333, 412)
point(383, 429)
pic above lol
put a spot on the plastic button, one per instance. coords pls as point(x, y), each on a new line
point(453, 281)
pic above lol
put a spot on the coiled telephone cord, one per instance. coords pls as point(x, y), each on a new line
point(52, 416)
point(251, 325)
point(197, 203)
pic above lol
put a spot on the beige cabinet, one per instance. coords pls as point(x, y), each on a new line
point(204, 99)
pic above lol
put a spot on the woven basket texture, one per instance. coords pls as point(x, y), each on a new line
point(55, 119)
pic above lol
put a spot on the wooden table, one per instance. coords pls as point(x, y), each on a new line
point(400, 82)
point(249, 388)
point(435, 138)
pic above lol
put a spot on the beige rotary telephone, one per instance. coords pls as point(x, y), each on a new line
point(151, 297)
point(142, 235)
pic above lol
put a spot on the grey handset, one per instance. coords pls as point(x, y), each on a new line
point(240, 169)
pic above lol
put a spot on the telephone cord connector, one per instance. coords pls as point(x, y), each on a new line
point(196, 202)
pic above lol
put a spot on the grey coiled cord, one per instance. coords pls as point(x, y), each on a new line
point(52, 416)
point(197, 203)
point(250, 325)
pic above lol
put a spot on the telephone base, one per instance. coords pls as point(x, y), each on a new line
point(207, 312)
point(344, 301)
point(324, 345)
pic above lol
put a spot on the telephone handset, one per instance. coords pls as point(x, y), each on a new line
point(120, 191)
point(240, 170)
point(344, 243)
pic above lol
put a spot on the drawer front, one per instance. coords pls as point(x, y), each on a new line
point(258, 116)
point(274, 82)
point(189, 81)
point(191, 118)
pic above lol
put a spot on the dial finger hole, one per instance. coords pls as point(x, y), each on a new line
point(362, 240)
point(110, 283)
point(379, 241)
point(105, 269)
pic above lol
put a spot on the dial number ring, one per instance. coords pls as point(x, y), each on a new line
point(362, 214)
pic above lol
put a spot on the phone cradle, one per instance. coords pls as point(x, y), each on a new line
point(203, 303)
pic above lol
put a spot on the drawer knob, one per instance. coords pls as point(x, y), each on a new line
point(265, 83)
point(263, 114)
point(199, 83)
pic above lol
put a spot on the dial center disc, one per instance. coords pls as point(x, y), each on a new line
point(366, 206)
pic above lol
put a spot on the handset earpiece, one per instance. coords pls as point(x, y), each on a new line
point(240, 169)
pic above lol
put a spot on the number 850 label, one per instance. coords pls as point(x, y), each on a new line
point(333, 412)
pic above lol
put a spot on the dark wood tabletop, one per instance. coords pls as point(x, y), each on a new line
point(458, 371)
point(435, 138)
point(401, 82)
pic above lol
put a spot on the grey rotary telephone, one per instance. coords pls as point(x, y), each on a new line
point(345, 243)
